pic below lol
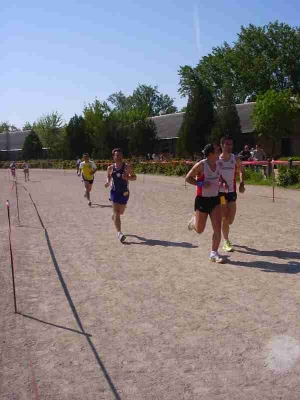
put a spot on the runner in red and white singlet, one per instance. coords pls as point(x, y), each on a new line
point(229, 166)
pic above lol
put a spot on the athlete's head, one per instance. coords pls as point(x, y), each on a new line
point(211, 152)
point(86, 157)
point(117, 154)
point(227, 144)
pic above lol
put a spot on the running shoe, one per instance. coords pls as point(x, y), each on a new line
point(121, 237)
point(90, 203)
point(215, 257)
point(191, 224)
point(227, 246)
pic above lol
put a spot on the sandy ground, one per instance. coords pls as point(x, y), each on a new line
point(151, 319)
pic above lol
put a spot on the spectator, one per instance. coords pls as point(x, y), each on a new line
point(259, 154)
point(245, 154)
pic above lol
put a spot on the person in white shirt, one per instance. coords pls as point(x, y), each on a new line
point(26, 170)
point(230, 166)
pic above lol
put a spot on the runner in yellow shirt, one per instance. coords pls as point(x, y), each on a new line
point(88, 169)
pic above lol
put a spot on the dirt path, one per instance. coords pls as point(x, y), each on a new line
point(152, 319)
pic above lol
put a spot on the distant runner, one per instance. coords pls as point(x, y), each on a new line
point(88, 169)
point(118, 176)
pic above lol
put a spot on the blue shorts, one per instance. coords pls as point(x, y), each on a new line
point(119, 197)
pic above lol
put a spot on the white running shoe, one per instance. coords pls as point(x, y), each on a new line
point(215, 257)
point(121, 237)
point(191, 224)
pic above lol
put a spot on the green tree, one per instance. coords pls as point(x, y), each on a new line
point(4, 126)
point(50, 128)
point(274, 114)
point(227, 121)
point(27, 126)
point(32, 147)
point(198, 121)
point(145, 98)
point(142, 137)
point(77, 140)
point(95, 115)
point(262, 58)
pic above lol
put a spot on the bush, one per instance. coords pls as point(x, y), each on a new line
point(287, 177)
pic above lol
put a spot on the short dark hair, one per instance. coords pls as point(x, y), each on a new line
point(224, 138)
point(208, 149)
point(117, 149)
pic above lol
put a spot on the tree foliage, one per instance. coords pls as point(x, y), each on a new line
point(146, 99)
point(50, 128)
point(227, 121)
point(262, 58)
point(274, 113)
point(198, 120)
point(32, 147)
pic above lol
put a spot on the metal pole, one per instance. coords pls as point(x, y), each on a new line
point(273, 180)
point(16, 184)
point(11, 257)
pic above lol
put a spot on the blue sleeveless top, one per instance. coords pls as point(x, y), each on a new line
point(118, 183)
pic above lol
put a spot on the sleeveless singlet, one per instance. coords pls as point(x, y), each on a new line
point(213, 177)
point(118, 183)
point(228, 172)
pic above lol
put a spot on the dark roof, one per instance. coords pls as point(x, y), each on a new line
point(168, 125)
point(13, 140)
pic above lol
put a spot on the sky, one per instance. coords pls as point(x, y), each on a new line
point(61, 55)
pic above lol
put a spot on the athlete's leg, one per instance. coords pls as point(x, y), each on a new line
point(200, 221)
point(118, 210)
point(228, 215)
point(216, 219)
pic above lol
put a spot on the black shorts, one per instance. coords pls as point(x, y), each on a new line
point(206, 204)
point(86, 180)
point(230, 196)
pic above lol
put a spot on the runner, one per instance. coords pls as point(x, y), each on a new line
point(206, 176)
point(78, 162)
point(229, 165)
point(26, 170)
point(13, 168)
point(88, 169)
point(118, 175)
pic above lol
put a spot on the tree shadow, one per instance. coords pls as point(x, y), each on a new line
point(164, 243)
point(96, 205)
point(292, 267)
point(268, 253)
point(55, 325)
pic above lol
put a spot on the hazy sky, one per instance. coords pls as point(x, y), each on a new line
point(58, 55)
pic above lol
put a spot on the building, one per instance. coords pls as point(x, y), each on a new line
point(168, 127)
point(11, 144)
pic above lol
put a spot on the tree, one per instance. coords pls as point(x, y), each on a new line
point(50, 128)
point(32, 147)
point(198, 121)
point(27, 126)
point(142, 137)
point(77, 140)
point(95, 115)
point(262, 58)
point(145, 98)
point(5, 126)
point(274, 114)
point(227, 121)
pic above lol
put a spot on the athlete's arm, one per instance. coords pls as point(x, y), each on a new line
point(108, 178)
point(194, 172)
point(94, 167)
point(240, 169)
point(129, 174)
